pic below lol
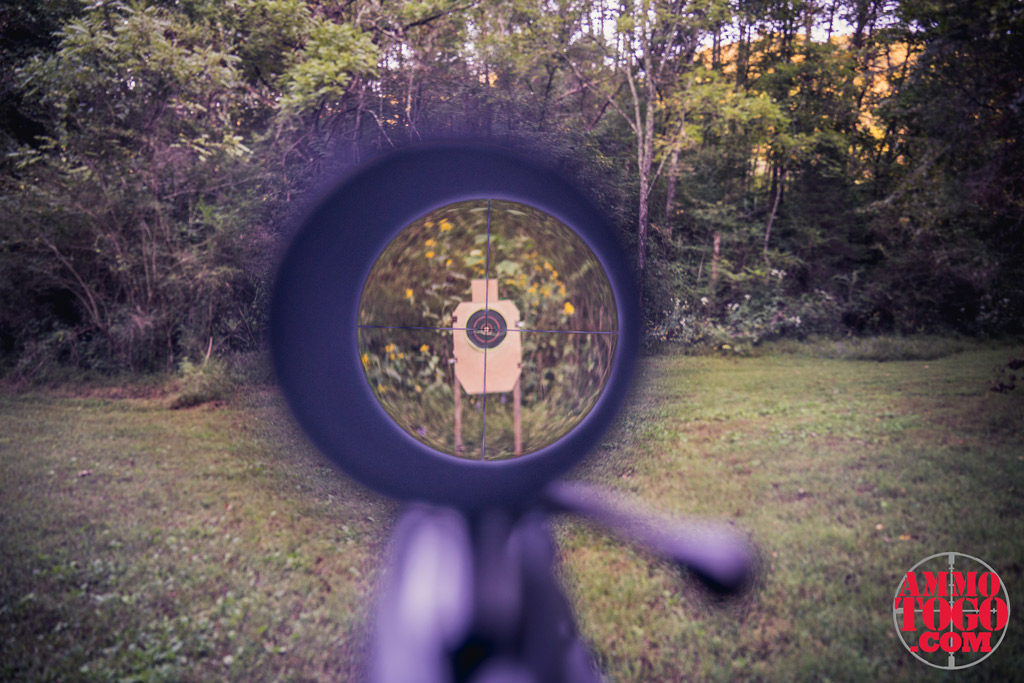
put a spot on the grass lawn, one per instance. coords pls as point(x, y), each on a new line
point(142, 543)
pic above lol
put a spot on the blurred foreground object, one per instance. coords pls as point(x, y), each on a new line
point(475, 598)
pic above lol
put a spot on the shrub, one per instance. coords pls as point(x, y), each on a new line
point(880, 348)
point(1006, 375)
point(203, 382)
point(745, 323)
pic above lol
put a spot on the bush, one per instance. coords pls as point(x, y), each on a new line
point(881, 348)
point(250, 368)
point(203, 382)
point(1006, 375)
point(750, 321)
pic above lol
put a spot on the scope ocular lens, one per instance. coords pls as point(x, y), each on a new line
point(496, 302)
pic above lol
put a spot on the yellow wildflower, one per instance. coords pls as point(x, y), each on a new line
point(381, 388)
point(408, 293)
point(431, 242)
point(445, 225)
point(419, 389)
point(424, 348)
point(389, 348)
point(428, 224)
point(429, 254)
point(547, 265)
point(366, 360)
point(448, 263)
point(401, 356)
point(569, 308)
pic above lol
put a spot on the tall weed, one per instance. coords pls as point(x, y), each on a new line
point(203, 382)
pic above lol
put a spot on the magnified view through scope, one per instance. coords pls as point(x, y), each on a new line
point(487, 329)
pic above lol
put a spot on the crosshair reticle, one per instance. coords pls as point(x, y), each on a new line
point(532, 264)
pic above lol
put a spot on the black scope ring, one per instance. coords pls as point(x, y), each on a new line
point(314, 318)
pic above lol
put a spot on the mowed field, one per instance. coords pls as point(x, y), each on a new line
point(143, 543)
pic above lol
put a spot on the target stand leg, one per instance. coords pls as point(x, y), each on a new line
point(517, 418)
point(458, 416)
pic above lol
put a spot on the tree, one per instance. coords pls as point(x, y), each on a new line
point(154, 149)
point(949, 206)
point(655, 41)
point(142, 202)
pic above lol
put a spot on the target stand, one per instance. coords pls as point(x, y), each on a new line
point(488, 355)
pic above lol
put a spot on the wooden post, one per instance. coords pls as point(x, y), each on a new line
point(458, 415)
point(517, 418)
point(713, 284)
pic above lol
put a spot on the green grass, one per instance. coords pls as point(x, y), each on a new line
point(878, 348)
point(142, 543)
point(146, 543)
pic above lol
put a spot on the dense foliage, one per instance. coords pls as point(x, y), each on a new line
point(779, 168)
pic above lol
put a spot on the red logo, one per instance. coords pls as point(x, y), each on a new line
point(951, 610)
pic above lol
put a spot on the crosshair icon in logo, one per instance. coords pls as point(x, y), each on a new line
point(951, 610)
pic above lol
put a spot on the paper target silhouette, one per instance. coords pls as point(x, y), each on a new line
point(448, 269)
point(488, 360)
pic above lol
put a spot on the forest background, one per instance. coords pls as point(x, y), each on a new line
point(779, 168)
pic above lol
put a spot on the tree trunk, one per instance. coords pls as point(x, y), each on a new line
point(742, 55)
point(670, 191)
point(645, 154)
point(716, 250)
point(641, 259)
point(775, 208)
